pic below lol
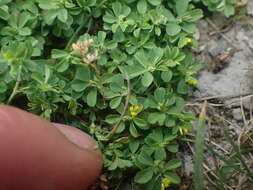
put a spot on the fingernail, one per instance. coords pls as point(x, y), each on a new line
point(77, 137)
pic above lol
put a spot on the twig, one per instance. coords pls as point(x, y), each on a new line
point(115, 127)
point(245, 123)
point(224, 96)
point(241, 180)
point(230, 41)
point(242, 110)
point(220, 31)
point(212, 142)
point(210, 104)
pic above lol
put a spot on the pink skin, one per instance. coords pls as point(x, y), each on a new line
point(38, 155)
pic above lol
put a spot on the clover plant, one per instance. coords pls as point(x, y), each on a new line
point(119, 70)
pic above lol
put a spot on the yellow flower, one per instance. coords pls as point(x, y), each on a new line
point(188, 40)
point(133, 113)
point(183, 130)
point(165, 183)
point(163, 187)
point(136, 108)
point(192, 82)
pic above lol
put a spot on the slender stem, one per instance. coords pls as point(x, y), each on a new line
point(113, 131)
point(14, 91)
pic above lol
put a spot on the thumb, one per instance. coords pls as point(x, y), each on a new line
point(37, 155)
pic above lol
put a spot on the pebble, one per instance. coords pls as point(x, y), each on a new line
point(237, 114)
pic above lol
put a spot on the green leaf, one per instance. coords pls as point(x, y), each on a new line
point(172, 148)
point(173, 29)
point(182, 87)
point(110, 94)
point(133, 100)
point(147, 79)
point(24, 17)
point(142, 58)
point(160, 95)
point(170, 122)
point(92, 97)
point(57, 53)
point(3, 87)
point(181, 6)
point(4, 12)
point(153, 184)
point(167, 75)
point(109, 18)
point(121, 128)
point(124, 163)
point(193, 15)
point(173, 177)
point(25, 31)
point(133, 130)
point(83, 73)
point(111, 44)
point(115, 102)
point(134, 145)
point(47, 4)
point(229, 10)
point(144, 176)
point(172, 164)
point(78, 85)
point(156, 117)
point(62, 15)
point(155, 138)
point(49, 16)
point(141, 123)
point(111, 119)
point(142, 6)
point(135, 70)
point(167, 13)
point(160, 153)
point(158, 31)
point(155, 2)
point(145, 159)
point(180, 103)
point(189, 27)
point(182, 42)
point(101, 36)
point(116, 7)
point(115, 27)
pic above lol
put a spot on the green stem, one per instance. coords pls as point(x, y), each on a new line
point(116, 126)
point(14, 91)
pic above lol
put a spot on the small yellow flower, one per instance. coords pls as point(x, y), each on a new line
point(163, 187)
point(133, 113)
point(192, 82)
point(136, 108)
point(188, 40)
point(183, 130)
point(165, 184)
